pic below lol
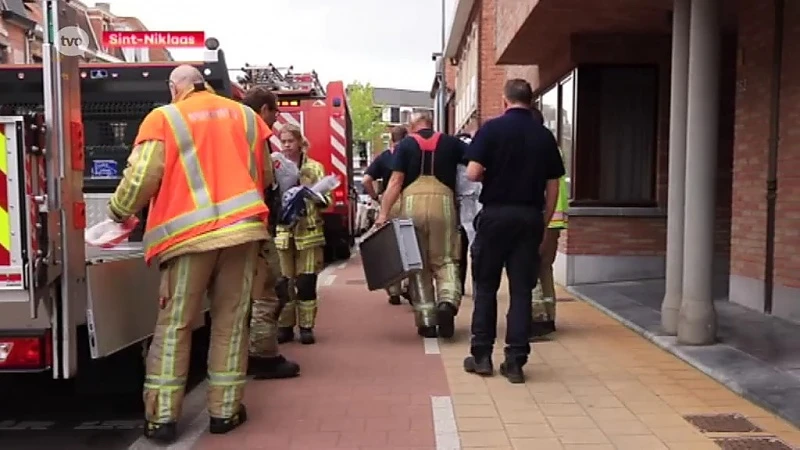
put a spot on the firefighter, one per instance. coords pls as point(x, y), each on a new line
point(424, 171)
point(206, 219)
point(300, 247)
point(544, 295)
point(265, 359)
point(381, 169)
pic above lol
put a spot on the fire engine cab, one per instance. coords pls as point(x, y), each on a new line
point(323, 115)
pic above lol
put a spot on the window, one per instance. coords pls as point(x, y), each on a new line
point(467, 80)
point(394, 115)
point(386, 115)
point(405, 115)
point(550, 109)
point(566, 128)
point(615, 146)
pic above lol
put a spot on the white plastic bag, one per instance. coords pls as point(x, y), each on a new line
point(464, 186)
point(287, 175)
point(108, 234)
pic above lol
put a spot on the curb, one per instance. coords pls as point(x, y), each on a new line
point(660, 341)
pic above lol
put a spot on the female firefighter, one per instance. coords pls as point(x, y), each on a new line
point(300, 247)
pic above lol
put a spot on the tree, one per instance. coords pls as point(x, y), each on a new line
point(366, 115)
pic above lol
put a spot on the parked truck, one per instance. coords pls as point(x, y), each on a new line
point(66, 131)
point(323, 115)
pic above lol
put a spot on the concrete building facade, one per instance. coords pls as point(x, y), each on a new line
point(677, 122)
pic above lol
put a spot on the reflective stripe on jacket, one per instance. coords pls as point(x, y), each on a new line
point(562, 204)
point(213, 165)
point(308, 232)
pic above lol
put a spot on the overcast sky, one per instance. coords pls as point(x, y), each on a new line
point(388, 44)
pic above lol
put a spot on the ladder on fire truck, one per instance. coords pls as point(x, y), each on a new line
point(279, 79)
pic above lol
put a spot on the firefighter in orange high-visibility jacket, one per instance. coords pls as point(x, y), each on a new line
point(206, 220)
point(544, 295)
point(300, 246)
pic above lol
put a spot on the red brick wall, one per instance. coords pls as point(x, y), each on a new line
point(787, 239)
point(492, 76)
point(748, 255)
point(16, 40)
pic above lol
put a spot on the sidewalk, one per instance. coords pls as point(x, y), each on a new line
point(371, 383)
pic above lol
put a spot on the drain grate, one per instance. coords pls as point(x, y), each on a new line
point(722, 423)
point(759, 443)
point(356, 282)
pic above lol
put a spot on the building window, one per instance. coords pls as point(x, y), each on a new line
point(386, 115)
point(550, 109)
point(615, 149)
point(394, 115)
point(467, 80)
point(566, 127)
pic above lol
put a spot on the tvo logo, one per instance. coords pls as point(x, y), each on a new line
point(72, 41)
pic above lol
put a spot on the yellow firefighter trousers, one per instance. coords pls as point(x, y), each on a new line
point(227, 275)
point(294, 264)
point(266, 306)
point(544, 298)
point(429, 203)
point(395, 289)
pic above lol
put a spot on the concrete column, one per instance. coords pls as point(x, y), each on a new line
point(697, 323)
point(670, 307)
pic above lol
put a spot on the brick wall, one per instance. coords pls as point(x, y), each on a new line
point(492, 76)
point(787, 239)
point(748, 255)
point(16, 41)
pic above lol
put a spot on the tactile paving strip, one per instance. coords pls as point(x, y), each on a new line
point(723, 423)
point(745, 443)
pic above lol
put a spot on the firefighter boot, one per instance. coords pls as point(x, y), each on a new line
point(307, 336)
point(285, 334)
point(222, 425)
point(273, 368)
point(162, 433)
point(445, 318)
point(394, 299)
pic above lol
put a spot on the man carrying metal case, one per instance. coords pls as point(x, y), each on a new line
point(424, 170)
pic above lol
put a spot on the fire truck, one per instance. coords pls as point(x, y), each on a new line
point(66, 130)
point(322, 113)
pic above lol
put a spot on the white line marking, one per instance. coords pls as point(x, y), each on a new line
point(431, 346)
point(337, 127)
point(276, 142)
point(338, 146)
point(338, 165)
point(444, 423)
point(327, 280)
point(341, 266)
point(192, 426)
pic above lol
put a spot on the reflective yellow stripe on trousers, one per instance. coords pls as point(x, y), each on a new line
point(206, 210)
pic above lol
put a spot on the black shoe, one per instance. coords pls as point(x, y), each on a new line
point(219, 425)
point(162, 433)
point(285, 334)
point(307, 336)
point(445, 317)
point(427, 332)
point(272, 368)
point(406, 295)
point(394, 299)
point(543, 328)
point(479, 365)
point(512, 371)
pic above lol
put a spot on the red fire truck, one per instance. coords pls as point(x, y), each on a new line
point(322, 113)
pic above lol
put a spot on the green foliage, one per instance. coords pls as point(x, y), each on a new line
point(366, 115)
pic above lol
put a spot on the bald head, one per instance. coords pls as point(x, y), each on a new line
point(183, 78)
point(420, 121)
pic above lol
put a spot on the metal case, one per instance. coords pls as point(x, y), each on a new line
point(390, 254)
